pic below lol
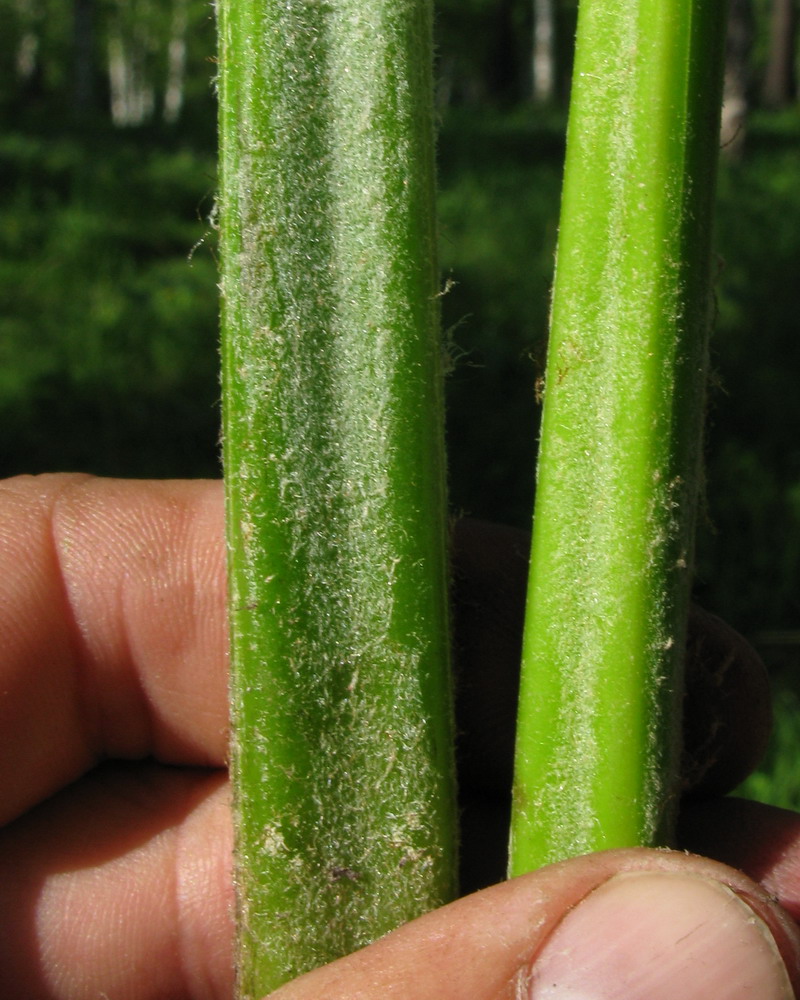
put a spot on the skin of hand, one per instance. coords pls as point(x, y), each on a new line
point(115, 845)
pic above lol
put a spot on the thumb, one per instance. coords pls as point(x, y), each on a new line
point(621, 925)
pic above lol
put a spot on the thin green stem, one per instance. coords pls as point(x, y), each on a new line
point(619, 458)
point(342, 741)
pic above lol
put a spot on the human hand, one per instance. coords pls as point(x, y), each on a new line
point(115, 852)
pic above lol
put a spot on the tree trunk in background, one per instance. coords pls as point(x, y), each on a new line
point(82, 55)
point(544, 52)
point(176, 63)
point(779, 79)
point(26, 59)
point(132, 95)
point(132, 42)
point(737, 77)
point(506, 80)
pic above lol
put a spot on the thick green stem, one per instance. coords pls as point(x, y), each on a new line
point(342, 742)
point(618, 468)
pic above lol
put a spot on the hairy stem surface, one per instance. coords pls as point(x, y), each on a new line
point(618, 471)
point(342, 740)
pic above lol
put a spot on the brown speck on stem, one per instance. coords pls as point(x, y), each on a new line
point(336, 873)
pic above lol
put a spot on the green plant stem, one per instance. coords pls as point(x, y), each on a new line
point(342, 741)
point(598, 733)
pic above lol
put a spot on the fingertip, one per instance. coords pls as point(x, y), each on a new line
point(113, 635)
point(727, 709)
point(645, 935)
point(581, 928)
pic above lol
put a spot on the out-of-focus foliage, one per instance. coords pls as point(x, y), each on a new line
point(107, 328)
point(750, 546)
point(108, 311)
point(775, 782)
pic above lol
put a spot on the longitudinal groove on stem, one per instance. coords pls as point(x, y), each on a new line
point(618, 464)
point(342, 751)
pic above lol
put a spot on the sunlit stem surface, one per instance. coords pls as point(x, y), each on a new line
point(342, 740)
point(618, 468)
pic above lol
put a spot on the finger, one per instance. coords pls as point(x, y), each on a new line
point(761, 840)
point(112, 628)
point(642, 925)
point(112, 633)
point(727, 714)
point(133, 901)
point(120, 887)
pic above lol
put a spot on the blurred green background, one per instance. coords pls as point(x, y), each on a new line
point(108, 297)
